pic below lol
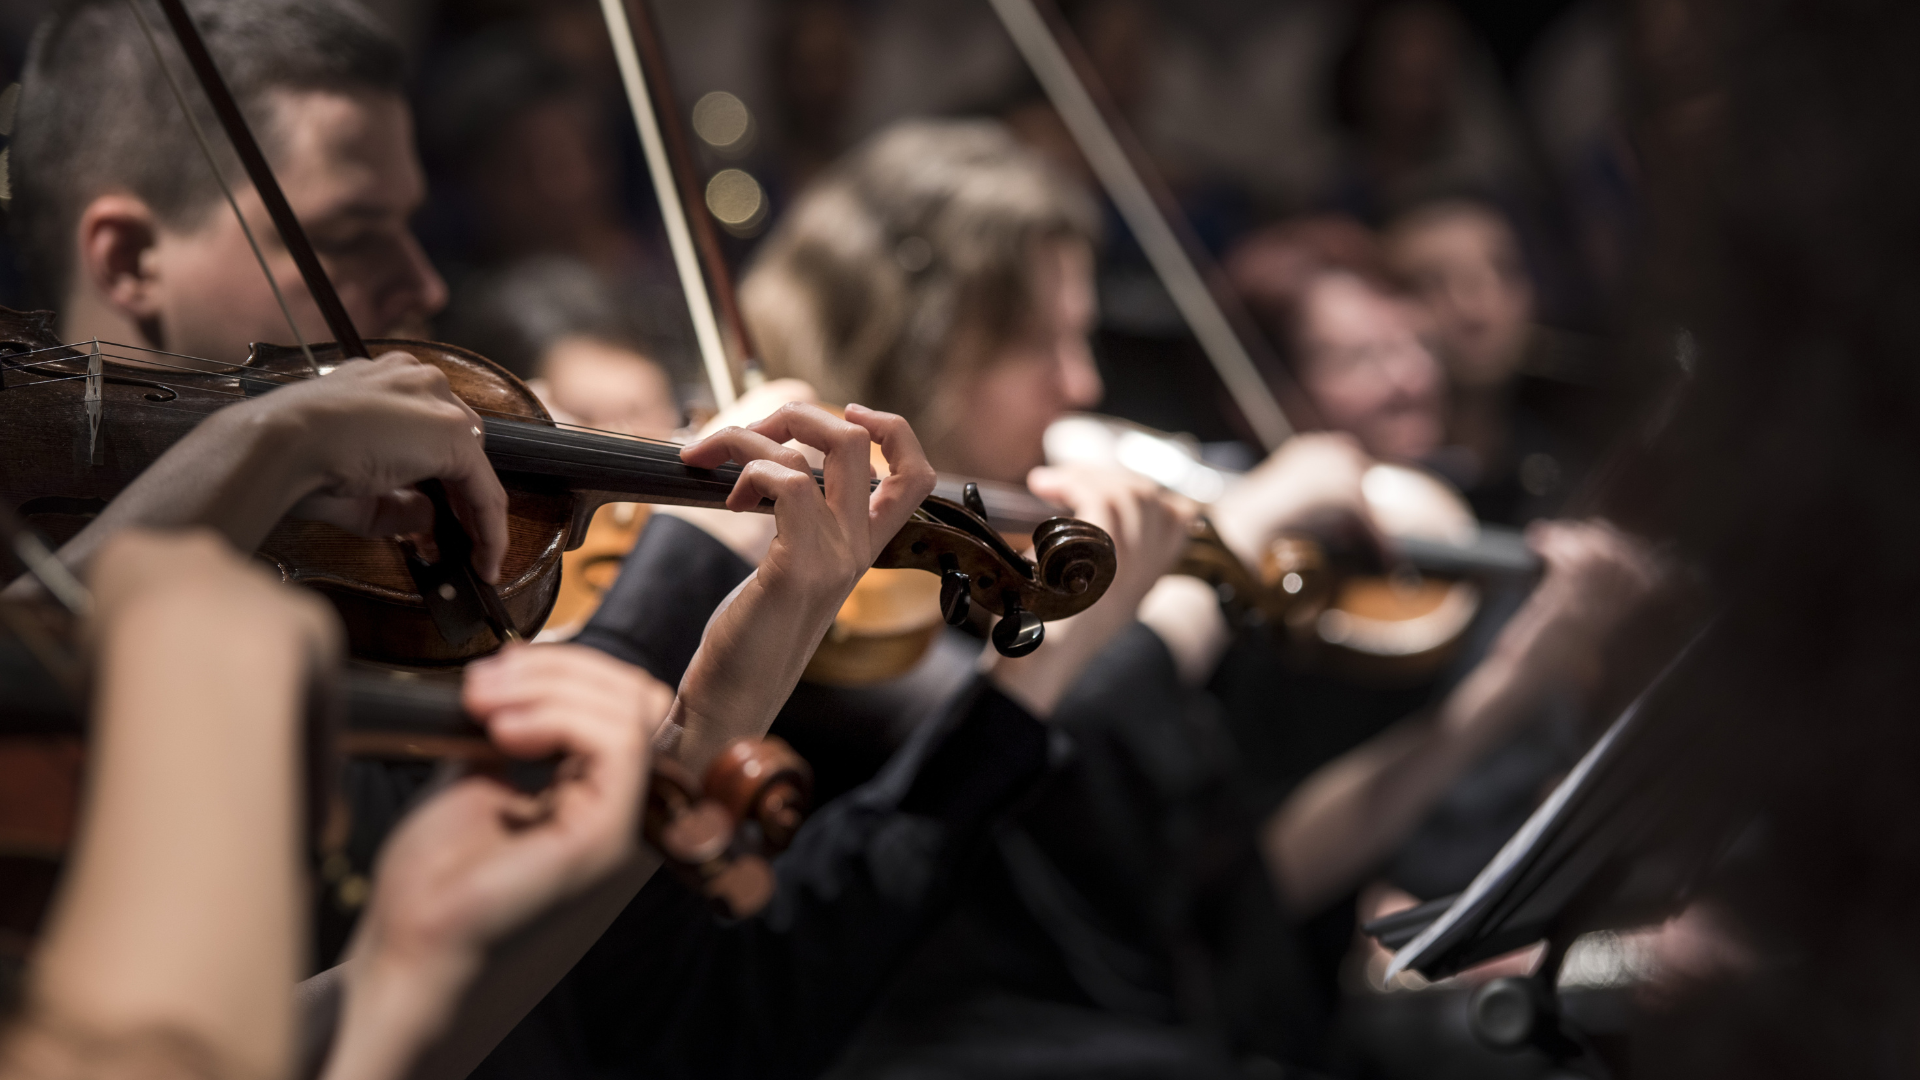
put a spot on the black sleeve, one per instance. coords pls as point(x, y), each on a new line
point(669, 586)
point(672, 990)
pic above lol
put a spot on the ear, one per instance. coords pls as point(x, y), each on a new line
point(116, 237)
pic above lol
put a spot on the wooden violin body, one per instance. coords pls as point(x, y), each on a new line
point(75, 429)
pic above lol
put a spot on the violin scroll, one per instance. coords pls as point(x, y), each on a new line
point(721, 836)
point(1072, 566)
point(763, 783)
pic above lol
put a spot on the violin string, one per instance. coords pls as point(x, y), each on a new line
point(244, 373)
point(527, 429)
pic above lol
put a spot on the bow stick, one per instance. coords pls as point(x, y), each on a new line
point(669, 153)
point(1147, 205)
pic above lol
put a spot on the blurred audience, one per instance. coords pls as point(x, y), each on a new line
point(1424, 346)
point(1422, 112)
point(817, 48)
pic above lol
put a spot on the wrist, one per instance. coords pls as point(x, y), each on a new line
point(394, 1009)
point(276, 436)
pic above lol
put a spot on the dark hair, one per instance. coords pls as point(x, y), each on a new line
point(96, 114)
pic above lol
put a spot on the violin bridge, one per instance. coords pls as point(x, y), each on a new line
point(95, 404)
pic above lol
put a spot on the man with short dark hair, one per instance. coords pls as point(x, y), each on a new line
point(126, 232)
point(122, 224)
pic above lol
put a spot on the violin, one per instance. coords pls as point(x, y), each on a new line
point(62, 462)
point(718, 832)
point(1337, 605)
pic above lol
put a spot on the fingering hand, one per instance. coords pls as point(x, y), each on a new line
point(1148, 523)
point(479, 859)
point(829, 532)
point(1149, 529)
point(746, 535)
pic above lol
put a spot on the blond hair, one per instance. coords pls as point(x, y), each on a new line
point(909, 264)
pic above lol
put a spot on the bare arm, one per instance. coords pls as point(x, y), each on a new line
point(180, 922)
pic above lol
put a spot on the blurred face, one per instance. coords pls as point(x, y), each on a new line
point(1465, 268)
point(1366, 369)
point(349, 171)
point(1005, 406)
point(598, 384)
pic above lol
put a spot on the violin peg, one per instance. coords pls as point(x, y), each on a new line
point(1019, 631)
point(956, 597)
point(970, 498)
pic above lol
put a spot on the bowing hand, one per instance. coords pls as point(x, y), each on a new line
point(369, 430)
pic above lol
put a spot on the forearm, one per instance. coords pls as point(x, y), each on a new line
point(749, 661)
point(181, 909)
point(1184, 612)
point(1354, 811)
point(234, 473)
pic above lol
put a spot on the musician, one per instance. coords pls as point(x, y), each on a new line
point(944, 270)
point(127, 232)
point(1518, 408)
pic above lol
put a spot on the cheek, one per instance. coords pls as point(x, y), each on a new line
point(1347, 400)
point(1015, 399)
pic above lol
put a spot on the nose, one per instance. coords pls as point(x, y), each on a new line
point(417, 292)
point(1079, 377)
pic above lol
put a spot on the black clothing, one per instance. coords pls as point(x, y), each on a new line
point(669, 586)
point(1124, 925)
point(673, 990)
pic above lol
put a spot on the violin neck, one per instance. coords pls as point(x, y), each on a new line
point(594, 462)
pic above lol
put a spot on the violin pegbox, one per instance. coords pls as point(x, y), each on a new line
point(1072, 565)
